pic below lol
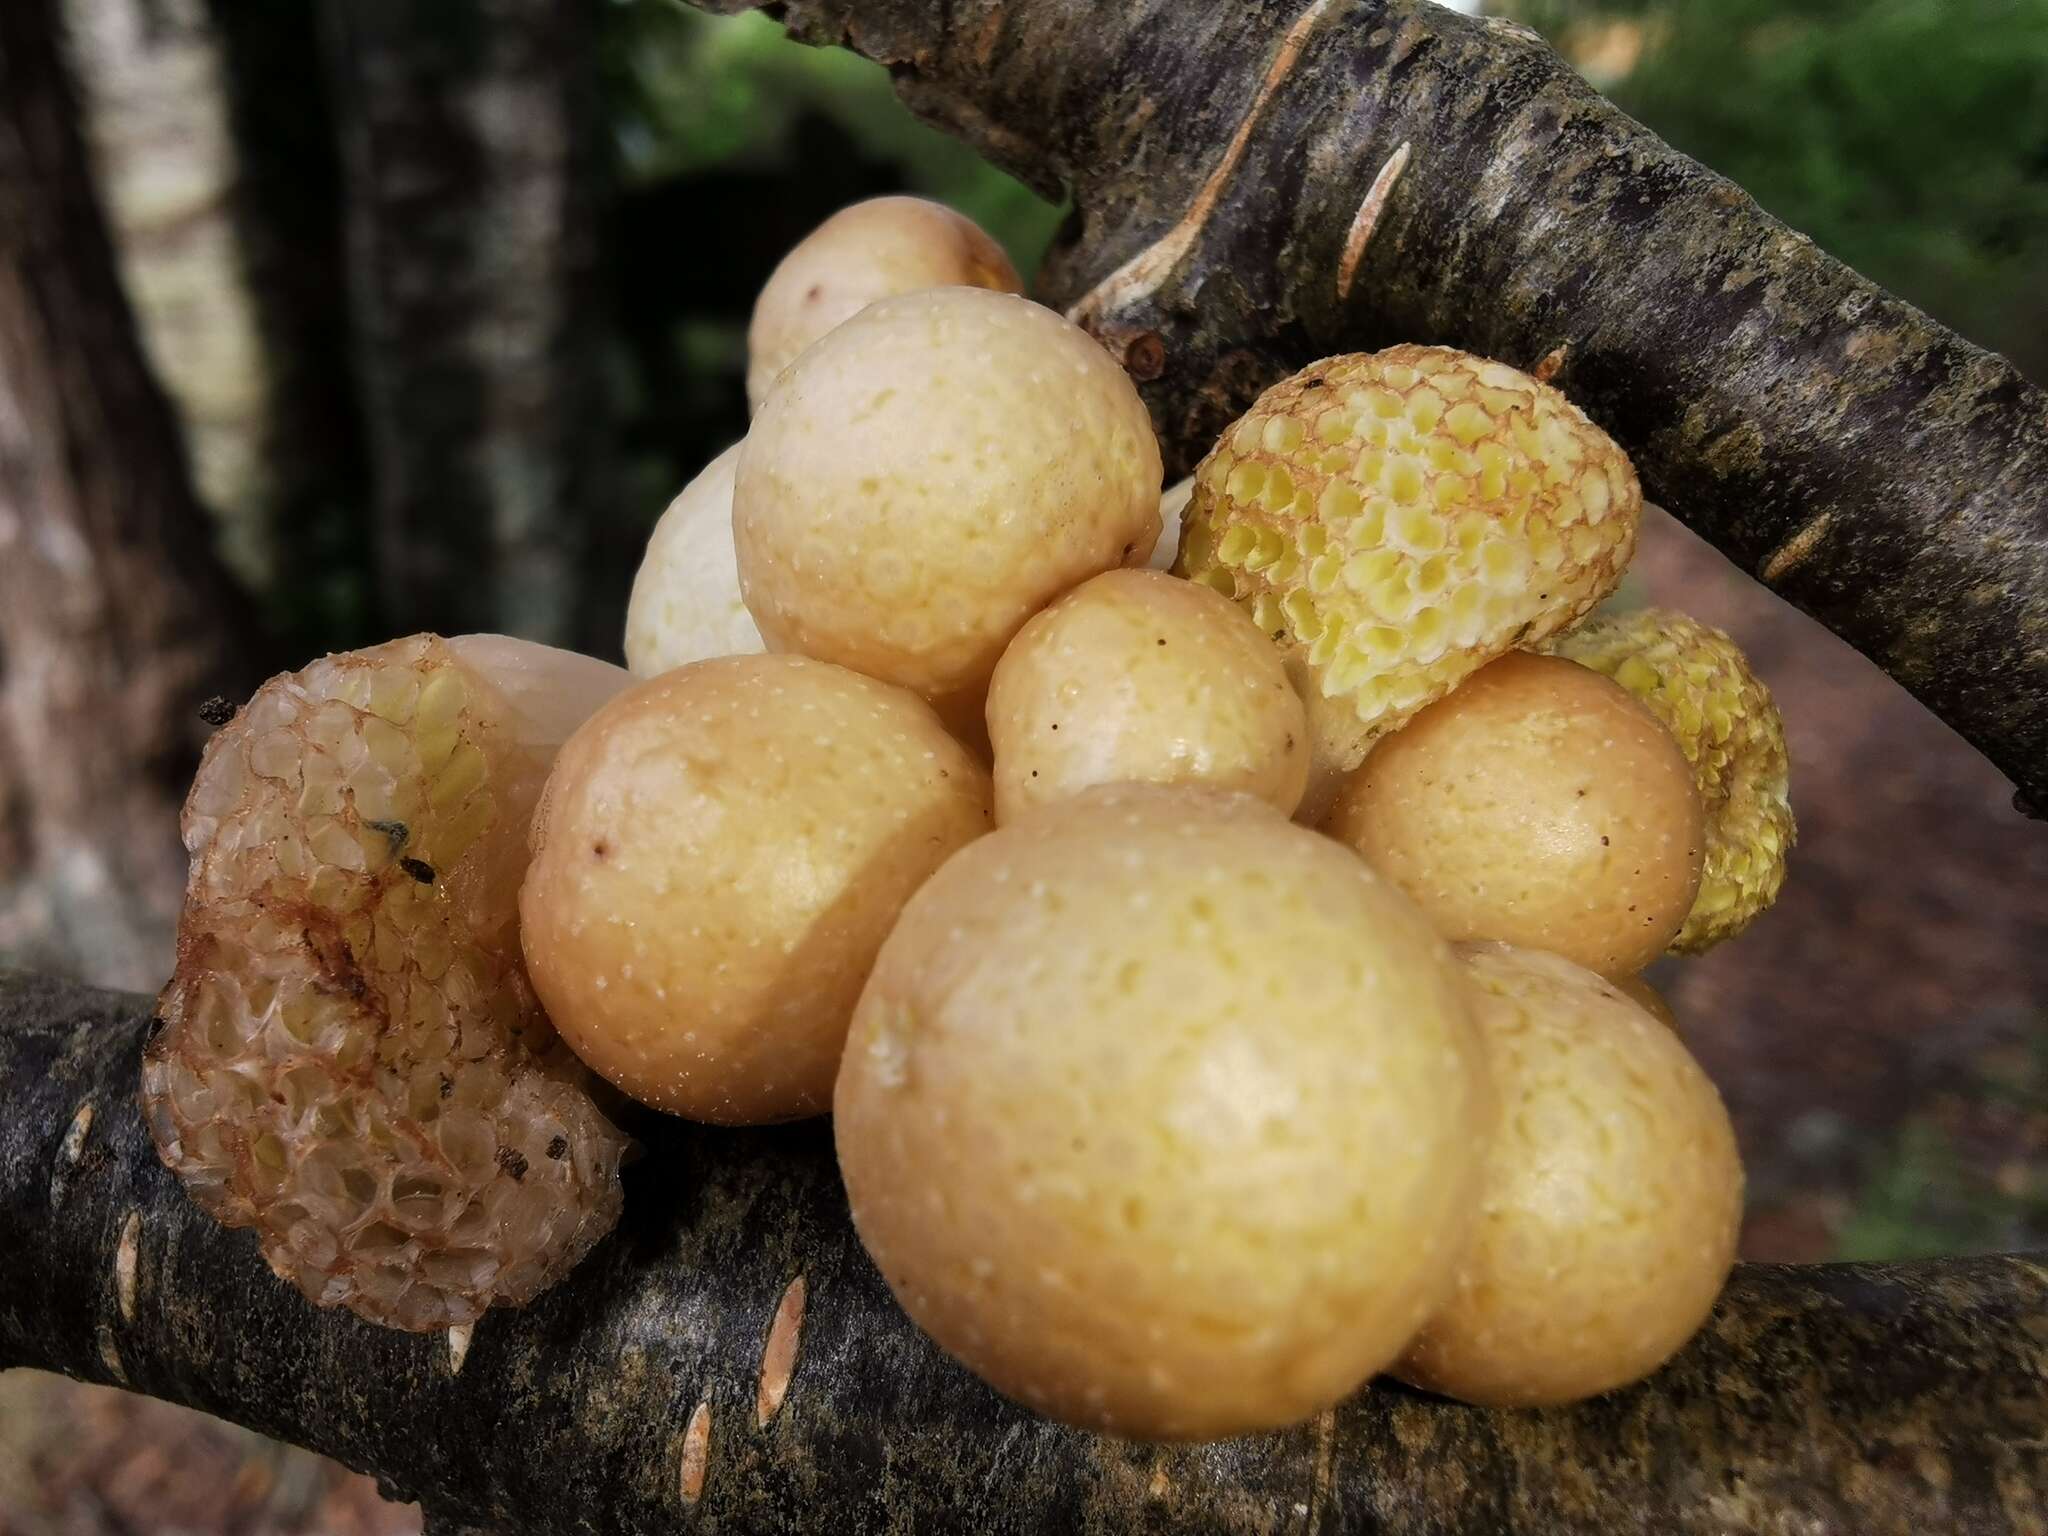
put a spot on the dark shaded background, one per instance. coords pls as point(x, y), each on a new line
point(446, 306)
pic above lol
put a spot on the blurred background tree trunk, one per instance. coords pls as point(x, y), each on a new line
point(473, 179)
point(116, 616)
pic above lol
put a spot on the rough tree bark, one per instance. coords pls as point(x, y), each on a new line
point(471, 168)
point(1861, 460)
point(115, 617)
point(1858, 458)
point(730, 1361)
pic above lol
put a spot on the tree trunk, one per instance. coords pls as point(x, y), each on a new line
point(634, 1397)
point(116, 619)
point(472, 165)
point(1855, 456)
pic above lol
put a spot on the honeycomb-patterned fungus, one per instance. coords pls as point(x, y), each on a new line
point(351, 1060)
point(1696, 680)
point(1397, 520)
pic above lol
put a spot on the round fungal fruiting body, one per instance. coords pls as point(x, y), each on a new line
point(1538, 804)
point(1696, 680)
point(870, 251)
point(352, 1061)
point(1140, 676)
point(1163, 1114)
point(686, 598)
point(929, 476)
point(1397, 520)
point(1612, 1200)
point(719, 855)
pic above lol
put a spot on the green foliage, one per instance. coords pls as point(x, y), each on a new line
point(692, 92)
point(1908, 137)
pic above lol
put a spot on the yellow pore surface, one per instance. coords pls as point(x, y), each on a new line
point(932, 474)
point(1397, 520)
point(885, 246)
point(1612, 1201)
point(1137, 675)
point(1538, 804)
point(686, 598)
point(1696, 680)
point(1163, 1114)
point(352, 1061)
point(719, 855)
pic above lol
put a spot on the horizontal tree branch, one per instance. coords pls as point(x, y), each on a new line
point(1860, 459)
point(635, 1398)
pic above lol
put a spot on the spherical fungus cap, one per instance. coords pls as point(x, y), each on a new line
point(1396, 520)
point(352, 1061)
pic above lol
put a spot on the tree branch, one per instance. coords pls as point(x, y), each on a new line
point(1863, 461)
point(643, 1395)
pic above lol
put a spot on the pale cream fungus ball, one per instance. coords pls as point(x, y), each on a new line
point(1140, 676)
point(718, 856)
point(1397, 520)
point(686, 598)
point(1163, 1114)
point(1612, 1201)
point(885, 246)
point(932, 474)
point(1540, 805)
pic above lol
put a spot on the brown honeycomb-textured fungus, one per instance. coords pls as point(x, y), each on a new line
point(1696, 680)
point(1397, 520)
point(352, 1061)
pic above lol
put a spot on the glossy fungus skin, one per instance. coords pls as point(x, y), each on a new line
point(351, 1060)
point(1540, 805)
point(718, 857)
point(1164, 1114)
point(686, 603)
point(1140, 676)
point(1696, 680)
point(871, 250)
point(1612, 1203)
point(930, 475)
point(1396, 520)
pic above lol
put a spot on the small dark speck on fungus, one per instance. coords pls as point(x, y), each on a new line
point(216, 711)
point(512, 1161)
point(558, 1147)
point(419, 869)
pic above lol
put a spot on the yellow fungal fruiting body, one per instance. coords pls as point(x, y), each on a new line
point(686, 596)
point(1396, 520)
point(930, 475)
point(352, 1061)
point(884, 246)
point(1163, 1114)
point(1696, 680)
point(720, 853)
point(1140, 676)
point(1612, 1198)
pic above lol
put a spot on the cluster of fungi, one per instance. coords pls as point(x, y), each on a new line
point(1213, 915)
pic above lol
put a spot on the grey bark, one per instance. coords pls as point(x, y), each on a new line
point(1871, 1398)
point(471, 170)
point(116, 619)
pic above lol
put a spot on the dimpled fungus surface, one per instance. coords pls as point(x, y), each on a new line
point(1696, 680)
point(1612, 1201)
point(1397, 520)
point(885, 246)
point(1538, 804)
point(718, 858)
point(686, 598)
point(351, 1060)
point(1163, 1114)
point(932, 474)
point(1140, 676)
